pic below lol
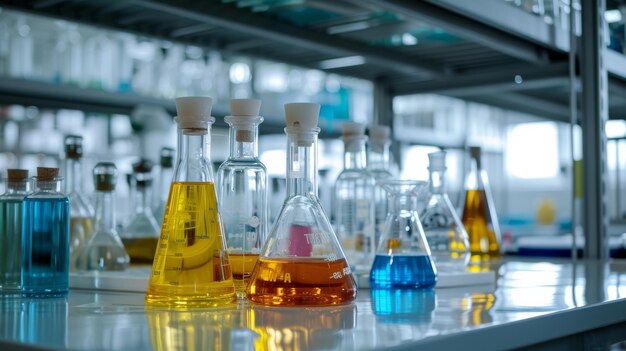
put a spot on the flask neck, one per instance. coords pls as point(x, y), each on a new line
point(474, 181)
point(193, 162)
point(105, 211)
point(378, 156)
point(301, 165)
point(143, 195)
point(73, 179)
point(402, 203)
point(243, 142)
point(165, 178)
point(18, 188)
point(354, 155)
point(437, 181)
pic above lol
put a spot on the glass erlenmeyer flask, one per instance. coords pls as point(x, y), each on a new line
point(403, 256)
point(447, 238)
point(242, 194)
point(354, 200)
point(479, 213)
point(379, 165)
point(165, 180)
point(81, 212)
point(302, 262)
point(104, 250)
point(141, 235)
point(18, 186)
point(191, 266)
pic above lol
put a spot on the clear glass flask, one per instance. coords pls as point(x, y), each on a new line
point(354, 200)
point(165, 180)
point(446, 235)
point(242, 193)
point(191, 266)
point(45, 238)
point(81, 212)
point(18, 186)
point(379, 165)
point(403, 256)
point(141, 234)
point(104, 250)
point(302, 263)
point(479, 213)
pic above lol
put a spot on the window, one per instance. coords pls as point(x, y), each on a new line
point(532, 150)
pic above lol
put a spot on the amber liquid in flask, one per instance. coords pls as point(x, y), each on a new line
point(302, 263)
point(479, 216)
point(191, 266)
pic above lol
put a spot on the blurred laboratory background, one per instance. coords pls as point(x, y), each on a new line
point(109, 72)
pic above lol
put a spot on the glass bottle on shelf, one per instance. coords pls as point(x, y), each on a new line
point(165, 180)
point(104, 250)
point(18, 187)
point(354, 200)
point(191, 266)
point(479, 214)
point(141, 235)
point(379, 165)
point(403, 256)
point(302, 263)
point(81, 212)
point(45, 238)
point(446, 235)
point(242, 194)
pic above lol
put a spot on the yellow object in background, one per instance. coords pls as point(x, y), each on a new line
point(546, 214)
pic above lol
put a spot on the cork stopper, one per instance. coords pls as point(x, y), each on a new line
point(302, 118)
point(47, 174)
point(475, 152)
point(73, 147)
point(143, 173)
point(352, 129)
point(105, 176)
point(167, 157)
point(17, 175)
point(380, 134)
point(437, 161)
point(194, 113)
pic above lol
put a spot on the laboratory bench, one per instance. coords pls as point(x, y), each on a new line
point(541, 304)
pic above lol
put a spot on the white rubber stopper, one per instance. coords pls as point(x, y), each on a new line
point(245, 107)
point(437, 161)
point(193, 111)
point(380, 133)
point(302, 115)
point(352, 129)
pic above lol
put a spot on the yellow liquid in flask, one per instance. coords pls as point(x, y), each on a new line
point(191, 267)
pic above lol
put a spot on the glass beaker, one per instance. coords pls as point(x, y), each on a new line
point(81, 212)
point(104, 250)
point(403, 256)
point(447, 238)
point(141, 235)
point(479, 213)
point(242, 194)
point(45, 238)
point(18, 186)
point(354, 200)
point(191, 266)
point(302, 262)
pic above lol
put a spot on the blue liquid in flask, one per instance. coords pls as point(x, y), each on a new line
point(45, 249)
point(403, 271)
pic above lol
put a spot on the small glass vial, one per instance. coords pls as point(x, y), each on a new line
point(141, 235)
point(162, 189)
point(18, 187)
point(45, 238)
point(354, 200)
point(242, 192)
point(104, 250)
point(81, 212)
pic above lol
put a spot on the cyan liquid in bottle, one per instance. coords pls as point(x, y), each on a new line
point(45, 238)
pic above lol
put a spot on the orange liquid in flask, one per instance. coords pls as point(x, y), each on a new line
point(191, 267)
point(301, 282)
point(483, 242)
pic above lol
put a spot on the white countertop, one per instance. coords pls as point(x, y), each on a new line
point(534, 301)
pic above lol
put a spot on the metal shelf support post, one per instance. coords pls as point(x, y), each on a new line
point(594, 116)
